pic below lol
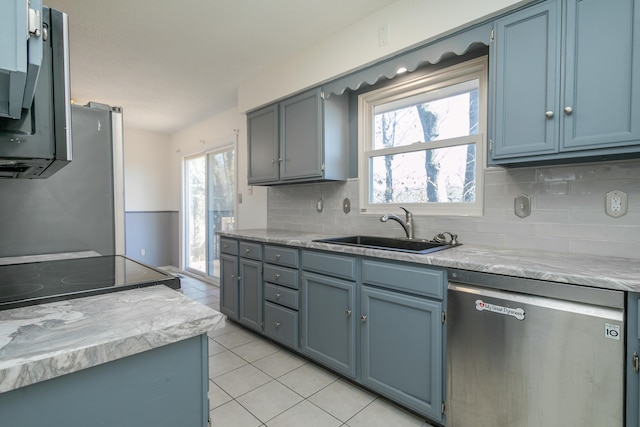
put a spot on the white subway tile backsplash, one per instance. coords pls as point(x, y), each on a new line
point(567, 210)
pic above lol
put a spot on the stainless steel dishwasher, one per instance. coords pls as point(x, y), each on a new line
point(531, 353)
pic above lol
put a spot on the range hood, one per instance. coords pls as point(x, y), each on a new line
point(38, 144)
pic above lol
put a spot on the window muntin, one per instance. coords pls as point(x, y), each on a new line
point(422, 143)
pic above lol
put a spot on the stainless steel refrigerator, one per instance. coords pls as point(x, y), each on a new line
point(80, 207)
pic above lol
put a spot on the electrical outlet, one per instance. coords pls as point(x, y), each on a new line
point(615, 203)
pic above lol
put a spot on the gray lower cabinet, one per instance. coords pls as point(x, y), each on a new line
point(554, 94)
point(328, 311)
point(229, 263)
point(401, 313)
point(166, 386)
point(281, 295)
point(328, 327)
point(402, 348)
point(241, 282)
point(250, 285)
point(633, 360)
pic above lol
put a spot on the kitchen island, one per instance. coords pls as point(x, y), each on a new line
point(130, 358)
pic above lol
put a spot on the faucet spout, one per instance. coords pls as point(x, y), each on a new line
point(407, 223)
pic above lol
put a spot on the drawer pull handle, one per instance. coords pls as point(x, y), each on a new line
point(278, 296)
point(363, 318)
point(277, 324)
point(349, 313)
point(277, 276)
point(278, 257)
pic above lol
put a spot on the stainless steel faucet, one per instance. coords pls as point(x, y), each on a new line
point(406, 223)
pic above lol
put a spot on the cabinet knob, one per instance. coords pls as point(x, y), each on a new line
point(273, 162)
point(226, 246)
point(247, 250)
point(363, 318)
point(278, 256)
point(277, 276)
point(277, 324)
point(349, 313)
point(239, 278)
point(568, 110)
point(233, 276)
point(278, 296)
point(549, 114)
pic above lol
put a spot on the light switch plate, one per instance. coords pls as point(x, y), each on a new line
point(522, 206)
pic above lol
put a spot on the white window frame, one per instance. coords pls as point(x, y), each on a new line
point(472, 69)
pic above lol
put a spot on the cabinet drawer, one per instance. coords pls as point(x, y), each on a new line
point(281, 256)
point(329, 264)
point(405, 277)
point(281, 276)
point(251, 250)
point(281, 324)
point(280, 295)
point(228, 246)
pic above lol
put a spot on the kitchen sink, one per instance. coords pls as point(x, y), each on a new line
point(417, 246)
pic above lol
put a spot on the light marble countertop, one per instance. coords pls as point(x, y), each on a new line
point(49, 340)
point(601, 272)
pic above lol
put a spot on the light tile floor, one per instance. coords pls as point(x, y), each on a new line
point(255, 383)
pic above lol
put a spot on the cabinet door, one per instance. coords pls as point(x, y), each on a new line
point(633, 350)
point(229, 285)
point(262, 141)
point(526, 70)
point(301, 136)
point(602, 78)
point(402, 348)
point(250, 301)
point(328, 322)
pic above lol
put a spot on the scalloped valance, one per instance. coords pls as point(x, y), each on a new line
point(455, 44)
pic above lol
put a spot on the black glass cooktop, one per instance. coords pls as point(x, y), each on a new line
point(40, 282)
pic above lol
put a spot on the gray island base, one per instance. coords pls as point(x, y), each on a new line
point(131, 358)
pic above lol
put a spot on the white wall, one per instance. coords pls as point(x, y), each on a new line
point(148, 172)
point(217, 132)
point(411, 23)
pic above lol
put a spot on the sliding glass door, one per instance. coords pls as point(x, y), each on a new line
point(210, 201)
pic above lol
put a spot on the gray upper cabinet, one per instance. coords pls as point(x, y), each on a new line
point(565, 82)
point(303, 138)
point(601, 103)
point(526, 49)
point(262, 133)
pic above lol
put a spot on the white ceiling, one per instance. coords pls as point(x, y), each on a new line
point(173, 63)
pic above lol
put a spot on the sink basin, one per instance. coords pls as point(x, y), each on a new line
point(416, 246)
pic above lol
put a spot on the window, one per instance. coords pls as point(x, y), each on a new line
point(422, 141)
